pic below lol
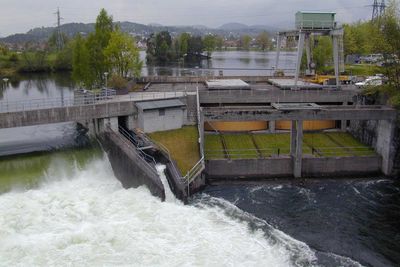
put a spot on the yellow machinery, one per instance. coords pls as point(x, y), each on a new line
point(323, 79)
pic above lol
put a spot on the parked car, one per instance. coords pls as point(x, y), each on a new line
point(370, 81)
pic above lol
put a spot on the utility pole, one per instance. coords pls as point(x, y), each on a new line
point(59, 40)
point(383, 7)
point(375, 10)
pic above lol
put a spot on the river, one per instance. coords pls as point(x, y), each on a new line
point(62, 205)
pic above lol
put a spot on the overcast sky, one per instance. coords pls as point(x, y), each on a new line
point(21, 15)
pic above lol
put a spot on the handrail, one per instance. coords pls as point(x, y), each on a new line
point(190, 175)
point(129, 136)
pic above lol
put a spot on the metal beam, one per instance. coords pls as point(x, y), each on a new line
point(326, 113)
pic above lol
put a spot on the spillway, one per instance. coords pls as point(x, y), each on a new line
point(79, 214)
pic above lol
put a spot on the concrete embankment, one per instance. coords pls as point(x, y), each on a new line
point(283, 167)
point(128, 166)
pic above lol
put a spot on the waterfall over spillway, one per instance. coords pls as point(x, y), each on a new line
point(169, 195)
point(81, 215)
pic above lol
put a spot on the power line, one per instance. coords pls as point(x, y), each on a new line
point(59, 41)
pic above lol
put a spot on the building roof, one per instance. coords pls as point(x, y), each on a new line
point(315, 12)
point(159, 104)
point(227, 84)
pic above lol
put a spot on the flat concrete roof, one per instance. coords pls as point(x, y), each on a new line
point(290, 83)
point(159, 104)
point(226, 84)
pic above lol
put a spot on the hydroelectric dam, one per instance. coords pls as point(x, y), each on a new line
point(121, 123)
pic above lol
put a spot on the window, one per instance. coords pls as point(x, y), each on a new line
point(161, 112)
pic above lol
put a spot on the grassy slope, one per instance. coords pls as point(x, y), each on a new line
point(240, 146)
point(333, 144)
point(182, 144)
point(213, 147)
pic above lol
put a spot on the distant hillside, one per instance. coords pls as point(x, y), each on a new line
point(71, 29)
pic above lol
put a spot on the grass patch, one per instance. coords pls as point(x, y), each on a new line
point(213, 147)
point(182, 144)
point(240, 146)
point(325, 146)
point(269, 144)
point(352, 144)
point(363, 69)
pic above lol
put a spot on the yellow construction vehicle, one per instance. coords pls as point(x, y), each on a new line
point(324, 79)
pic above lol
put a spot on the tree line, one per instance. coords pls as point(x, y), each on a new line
point(162, 47)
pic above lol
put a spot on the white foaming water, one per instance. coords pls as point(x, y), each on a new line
point(169, 195)
point(87, 219)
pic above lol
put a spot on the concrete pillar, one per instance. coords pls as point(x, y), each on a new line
point(300, 49)
point(336, 59)
point(113, 123)
point(343, 124)
point(271, 126)
point(299, 150)
point(384, 145)
point(309, 54)
point(278, 51)
point(293, 134)
point(201, 132)
point(131, 123)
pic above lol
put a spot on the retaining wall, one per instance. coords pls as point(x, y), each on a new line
point(283, 167)
point(249, 168)
point(341, 166)
point(128, 166)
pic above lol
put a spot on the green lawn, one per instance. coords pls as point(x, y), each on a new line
point(269, 144)
point(324, 145)
point(240, 146)
point(182, 145)
point(348, 141)
point(213, 147)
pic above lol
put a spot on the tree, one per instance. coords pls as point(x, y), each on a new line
point(195, 46)
point(183, 41)
point(263, 41)
point(209, 44)
point(391, 47)
point(322, 53)
point(80, 63)
point(96, 44)
point(219, 42)
point(123, 55)
point(245, 41)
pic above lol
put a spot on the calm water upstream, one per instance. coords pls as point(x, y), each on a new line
point(63, 206)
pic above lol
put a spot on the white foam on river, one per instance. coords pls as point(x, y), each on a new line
point(85, 218)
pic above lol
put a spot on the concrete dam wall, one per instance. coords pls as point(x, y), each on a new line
point(283, 167)
point(128, 166)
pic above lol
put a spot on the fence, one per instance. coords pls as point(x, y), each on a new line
point(82, 100)
point(133, 140)
point(285, 151)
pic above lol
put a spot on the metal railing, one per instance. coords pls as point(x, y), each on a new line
point(136, 143)
point(285, 152)
point(316, 24)
point(45, 103)
point(82, 100)
point(194, 172)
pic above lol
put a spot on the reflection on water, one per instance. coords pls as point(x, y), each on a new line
point(36, 86)
point(232, 63)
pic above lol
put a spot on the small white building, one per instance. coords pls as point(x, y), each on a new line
point(161, 115)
